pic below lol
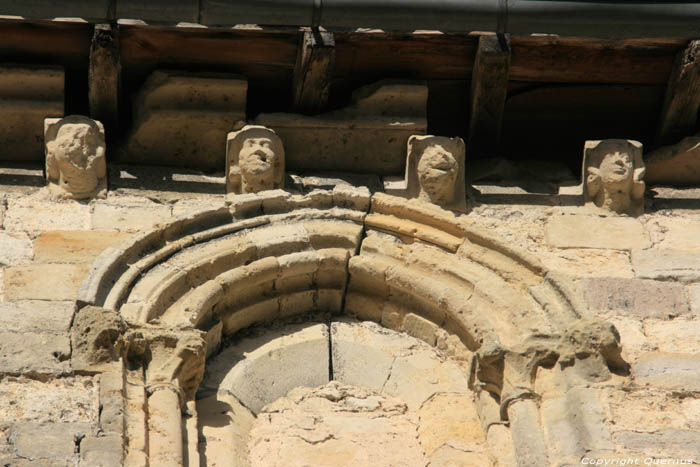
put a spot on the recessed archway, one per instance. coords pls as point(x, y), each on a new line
point(407, 265)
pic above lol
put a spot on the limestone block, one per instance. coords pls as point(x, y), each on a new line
point(450, 419)
point(28, 96)
point(367, 355)
point(589, 262)
point(254, 160)
point(694, 296)
point(34, 354)
point(668, 371)
point(105, 451)
point(449, 455)
point(182, 119)
point(574, 423)
point(501, 443)
point(66, 246)
point(679, 233)
point(259, 370)
point(671, 444)
point(370, 135)
point(51, 441)
point(434, 172)
point(335, 425)
point(76, 167)
point(677, 164)
point(31, 215)
point(665, 264)
point(14, 248)
point(128, 217)
point(364, 352)
point(420, 328)
point(351, 197)
point(635, 297)
point(44, 281)
point(112, 402)
point(418, 376)
point(36, 316)
point(678, 335)
point(224, 440)
point(613, 172)
point(581, 231)
point(69, 399)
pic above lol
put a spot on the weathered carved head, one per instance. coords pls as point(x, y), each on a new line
point(254, 160)
point(435, 171)
point(613, 170)
point(75, 157)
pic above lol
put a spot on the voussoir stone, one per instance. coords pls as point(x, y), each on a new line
point(581, 231)
point(667, 264)
point(635, 297)
point(259, 370)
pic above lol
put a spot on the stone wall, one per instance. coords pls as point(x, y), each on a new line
point(642, 274)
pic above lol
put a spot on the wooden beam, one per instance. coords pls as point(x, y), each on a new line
point(680, 111)
point(313, 71)
point(488, 95)
point(104, 77)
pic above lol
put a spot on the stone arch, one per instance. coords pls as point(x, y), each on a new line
point(407, 265)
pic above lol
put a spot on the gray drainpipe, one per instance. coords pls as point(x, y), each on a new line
point(618, 19)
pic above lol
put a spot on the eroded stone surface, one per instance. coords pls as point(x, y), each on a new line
point(34, 215)
point(584, 231)
point(14, 249)
point(668, 370)
point(665, 264)
point(36, 316)
point(613, 172)
point(259, 370)
point(70, 246)
point(635, 297)
point(254, 160)
point(76, 167)
point(128, 215)
point(335, 425)
point(435, 172)
point(34, 354)
point(44, 281)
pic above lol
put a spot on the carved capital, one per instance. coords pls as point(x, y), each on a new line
point(175, 360)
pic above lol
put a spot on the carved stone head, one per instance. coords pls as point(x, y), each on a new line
point(435, 171)
point(75, 148)
point(613, 172)
point(254, 160)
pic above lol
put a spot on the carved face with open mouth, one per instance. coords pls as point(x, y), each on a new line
point(437, 173)
point(257, 157)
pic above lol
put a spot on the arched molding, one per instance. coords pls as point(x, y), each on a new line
point(405, 264)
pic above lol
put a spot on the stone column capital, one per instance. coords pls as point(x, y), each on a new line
point(174, 359)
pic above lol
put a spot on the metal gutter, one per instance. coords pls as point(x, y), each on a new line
point(619, 19)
